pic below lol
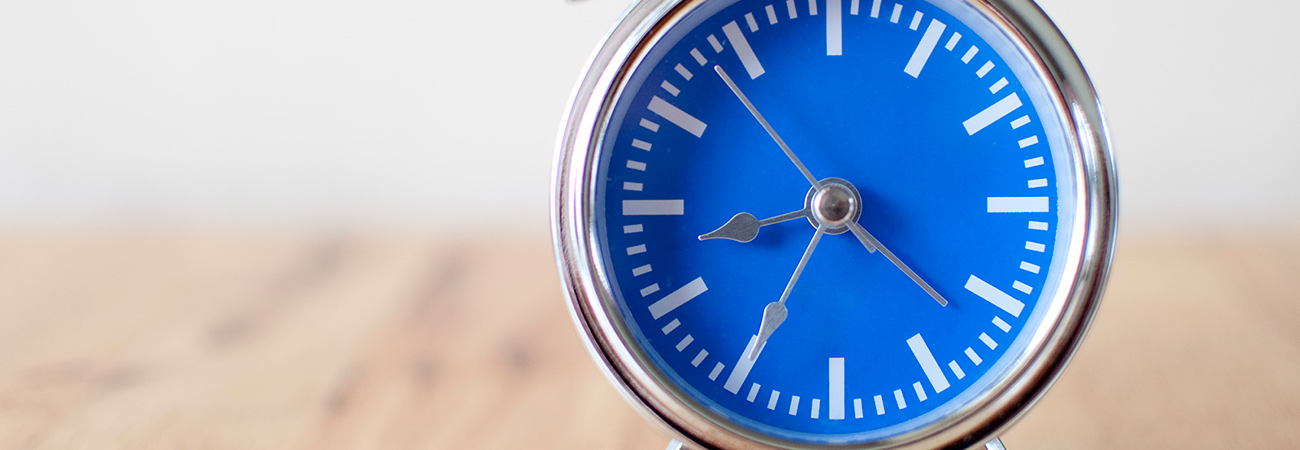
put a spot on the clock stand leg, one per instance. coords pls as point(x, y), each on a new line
point(995, 444)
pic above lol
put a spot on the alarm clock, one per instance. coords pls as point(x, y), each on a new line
point(833, 223)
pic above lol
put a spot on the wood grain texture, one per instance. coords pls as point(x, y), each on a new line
point(357, 342)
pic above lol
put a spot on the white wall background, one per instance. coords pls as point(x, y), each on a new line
point(441, 114)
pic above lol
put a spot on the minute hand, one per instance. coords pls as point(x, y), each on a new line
point(867, 238)
point(766, 126)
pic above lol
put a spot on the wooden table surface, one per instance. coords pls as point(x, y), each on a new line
point(355, 341)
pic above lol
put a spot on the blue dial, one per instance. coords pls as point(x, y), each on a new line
point(833, 221)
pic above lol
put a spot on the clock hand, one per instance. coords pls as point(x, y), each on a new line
point(771, 132)
point(774, 313)
point(744, 227)
point(869, 240)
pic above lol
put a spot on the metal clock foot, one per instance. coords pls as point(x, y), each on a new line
point(995, 444)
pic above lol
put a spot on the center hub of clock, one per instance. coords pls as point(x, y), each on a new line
point(834, 206)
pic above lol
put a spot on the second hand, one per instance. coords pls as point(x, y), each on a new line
point(770, 131)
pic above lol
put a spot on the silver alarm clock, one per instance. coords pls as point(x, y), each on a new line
point(834, 224)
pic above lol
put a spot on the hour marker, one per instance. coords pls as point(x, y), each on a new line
point(699, 57)
point(1028, 267)
point(853, 7)
point(629, 229)
point(997, 86)
point(984, 69)
point(650, 207)
point(630, 186)
point(649, 125)
point(857, 408)
point(988, 341)
point(1033, 162)
point(1037, 183)
point(812, 7)
point(816, 408)
point(653, 207)
point(771, 402)
point(923, 50)
point(789, 4)
point(636, 165)
point(973, 357)
point(994, 295)
point(671, 326)
point(771, 15)
point(875, 8)
point(928, 364)
point(636, 250)
point(898, 12)
point(1016, 204)
point(670, 88)
point(965, 59)
point(743, 365)
point(683, 72)
point(956, 370)
point(749, 19)
point(1028, 141)
point(1042, 226)
point(743, 50)
point(699, 358)
point(677, 116)
point(952, 41)
point(717, 46)
point(650, 289)
point(920, 391)
point(1001, 324)
point(880, 406)
point(678, 298)
point(898, 398)
point(1015, 124)
point(753, 392)
point(716, 370)
point(686, 342)
point(992, 114)
point(641, 270)
point(834, 28)
point(794, 404)
point(916, 21)
point(1034, 246)
point(836, 397)
point(643, 145)
point(1022, 287)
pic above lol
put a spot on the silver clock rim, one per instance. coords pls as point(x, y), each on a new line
point(1054, 343)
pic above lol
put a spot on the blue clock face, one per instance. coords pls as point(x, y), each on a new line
point(833, 221)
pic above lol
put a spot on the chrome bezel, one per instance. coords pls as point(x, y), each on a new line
point(591, 297)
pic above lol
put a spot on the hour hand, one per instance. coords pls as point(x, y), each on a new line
point(744, 227)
